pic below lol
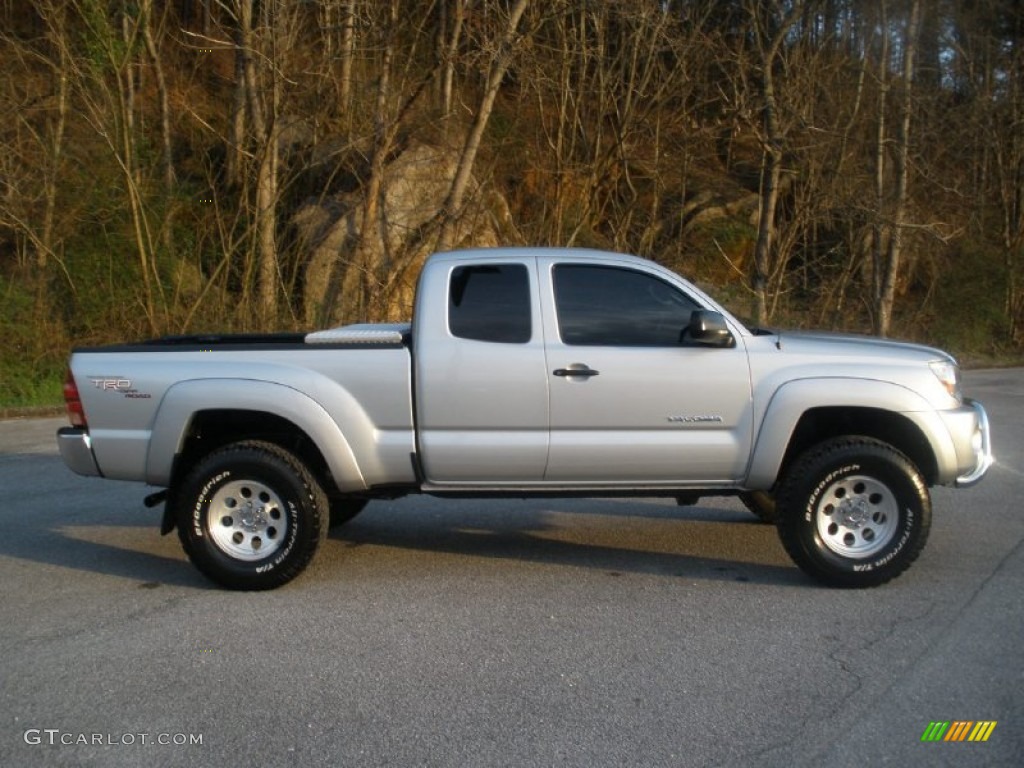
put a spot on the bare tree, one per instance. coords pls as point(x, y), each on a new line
point(769, 34)
point(264, 43)
point(452, 17)
point(34, 146)
point(353, 268)
point(372, 240)
point(879, 230)
point(891, 267)
point(146, 23)
point(495, 74)
point(1006, 132)
point(105, 81)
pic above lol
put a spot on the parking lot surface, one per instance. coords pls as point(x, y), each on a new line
point(431, 632)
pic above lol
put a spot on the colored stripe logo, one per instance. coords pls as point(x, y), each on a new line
point(958, 730)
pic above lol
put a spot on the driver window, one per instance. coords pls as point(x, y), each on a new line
point(611, 306)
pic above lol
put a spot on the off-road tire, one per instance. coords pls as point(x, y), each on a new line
point(251, 516)
point(853, 512)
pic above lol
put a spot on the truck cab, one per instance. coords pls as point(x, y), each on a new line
point(569, 370)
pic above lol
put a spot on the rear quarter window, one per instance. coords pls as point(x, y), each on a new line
point(490, 303)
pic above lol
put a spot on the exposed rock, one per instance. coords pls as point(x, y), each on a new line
point(294, 133)
point(705, 208)
point(380, 286)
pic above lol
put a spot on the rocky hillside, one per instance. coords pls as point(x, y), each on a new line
point(178, 166)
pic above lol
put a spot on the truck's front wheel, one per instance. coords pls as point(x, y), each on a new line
point(251, 516)
point(853, 512)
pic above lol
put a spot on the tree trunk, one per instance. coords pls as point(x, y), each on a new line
point(266, 227)
point(146, 7)
point(460, 184)
point(55, 20)
point(264, 134)
point(771, 173)
point(348, 38)
point(895, 251)
point(236, 139)
point(372, 244)
point(449, 49)
point(878, 230)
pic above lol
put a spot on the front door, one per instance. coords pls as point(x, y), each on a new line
point(631, 402)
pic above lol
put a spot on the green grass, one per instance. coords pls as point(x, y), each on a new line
point(26, 386)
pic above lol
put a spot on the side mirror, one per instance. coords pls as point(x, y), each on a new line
point(708, 329)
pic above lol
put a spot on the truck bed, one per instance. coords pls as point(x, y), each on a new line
point(355, 379)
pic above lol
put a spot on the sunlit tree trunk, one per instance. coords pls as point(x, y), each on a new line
point(348, 42)
point(452, 18)
point(499, 66)
point(769, 44)
point(894, 254)
point(879, 230)
point(372, 240)
point(55, 19)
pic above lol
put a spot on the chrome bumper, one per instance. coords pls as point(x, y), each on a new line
point(76, 450)
point(981, 442)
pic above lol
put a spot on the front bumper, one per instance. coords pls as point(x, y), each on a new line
point(981, 445)
point(76, 450)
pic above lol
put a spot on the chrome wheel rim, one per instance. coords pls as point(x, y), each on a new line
point(247, 520)
point(857, 516)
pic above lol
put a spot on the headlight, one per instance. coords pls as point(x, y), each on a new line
point(948, 373)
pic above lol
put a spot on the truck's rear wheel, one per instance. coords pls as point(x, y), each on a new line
point(853, 512)
point(251, 516)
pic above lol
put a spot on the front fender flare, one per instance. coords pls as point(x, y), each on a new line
point(792, 400)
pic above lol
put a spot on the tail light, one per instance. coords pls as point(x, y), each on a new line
point(76, 414)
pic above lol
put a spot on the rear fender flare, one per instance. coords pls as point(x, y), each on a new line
point(185, 399)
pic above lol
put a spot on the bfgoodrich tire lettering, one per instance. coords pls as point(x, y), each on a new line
point(853, 512)
point(250, 516)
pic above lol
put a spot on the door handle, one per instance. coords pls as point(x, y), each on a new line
point(581, 371)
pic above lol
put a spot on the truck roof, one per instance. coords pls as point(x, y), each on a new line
point(519, 252)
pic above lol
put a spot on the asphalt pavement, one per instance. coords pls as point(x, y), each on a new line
point(476, 633)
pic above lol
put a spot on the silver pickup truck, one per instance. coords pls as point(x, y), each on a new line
point(530, 372)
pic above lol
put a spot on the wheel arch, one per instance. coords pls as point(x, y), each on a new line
point(808, 412)
point(196, 417)
point(823, 423)
point(214, 428)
